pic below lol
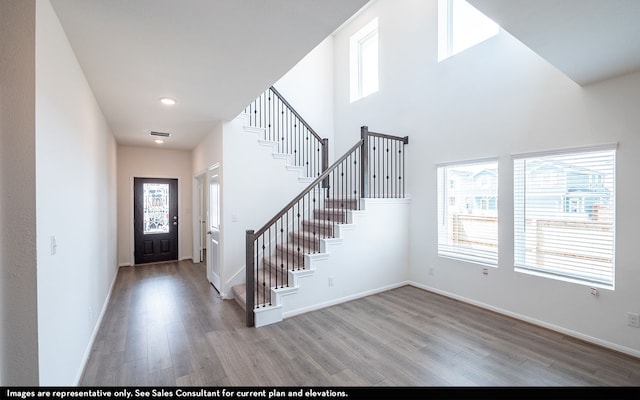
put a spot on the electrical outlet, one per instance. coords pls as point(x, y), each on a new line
point(331, 281)
point(431, 271)
point(485, 271)
point(633, 319)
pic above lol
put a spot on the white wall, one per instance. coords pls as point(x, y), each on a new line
point(76, 204)
point(369, 255)
point(208, 152)
point(146, 162)
point(496, 99)
point(18, 281)
point(308, 87)
point(255, 186)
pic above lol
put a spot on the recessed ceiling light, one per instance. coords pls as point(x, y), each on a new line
point(167, 101)
point(159, 141)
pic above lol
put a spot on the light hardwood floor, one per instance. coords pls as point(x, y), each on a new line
point(165, 325)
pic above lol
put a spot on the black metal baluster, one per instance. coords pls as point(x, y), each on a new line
point(296, 240)
point(385, 191)
point(402, 177)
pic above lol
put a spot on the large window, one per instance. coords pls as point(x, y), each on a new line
point(564, 214)
point(468, 211)
point(461, 26)
point(364, 61)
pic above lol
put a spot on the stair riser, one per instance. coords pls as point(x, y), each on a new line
point(323, 230)
point(350, 204)
point(281, 267)
point(312, 244)
point(338, 216)
point(292, 256)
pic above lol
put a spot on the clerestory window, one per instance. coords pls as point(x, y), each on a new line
point(363, 49)
point(461, 26)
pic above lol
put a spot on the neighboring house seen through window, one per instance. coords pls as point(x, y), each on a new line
point(468, 211)
point(564, 214)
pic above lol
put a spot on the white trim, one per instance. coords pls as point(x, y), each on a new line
point(96, 328)
point(356, 41)
point(467, 162)
point(536, 322)
point(196, 242)
point(341, 300)
point(579, 149)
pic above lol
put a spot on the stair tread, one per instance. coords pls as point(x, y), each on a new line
point(293, 248)
point(321, 222)
point(277, 260)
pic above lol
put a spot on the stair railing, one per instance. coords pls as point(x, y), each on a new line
point(283, 125)
point(373, 167)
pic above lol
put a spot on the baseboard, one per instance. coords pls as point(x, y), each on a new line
point(344, 299)
point(551, 327)
point(96, 328)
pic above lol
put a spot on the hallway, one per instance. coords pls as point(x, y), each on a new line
point(154, 331)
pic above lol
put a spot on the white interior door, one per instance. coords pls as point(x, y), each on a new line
point(213, 232)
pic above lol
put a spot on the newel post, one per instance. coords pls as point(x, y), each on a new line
point(364, 163)
point(325, 161)
point(250, 283)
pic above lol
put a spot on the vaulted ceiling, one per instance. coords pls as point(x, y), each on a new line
point(215, 56)
point(212, 56)
point(588, 40)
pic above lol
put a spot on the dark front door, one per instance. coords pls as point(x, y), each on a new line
point(155, 219)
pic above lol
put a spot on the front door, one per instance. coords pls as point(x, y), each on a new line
point(155, 219)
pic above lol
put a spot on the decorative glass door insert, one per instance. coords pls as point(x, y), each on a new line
point(156, 208)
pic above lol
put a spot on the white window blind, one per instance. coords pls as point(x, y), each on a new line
point(564, 214)
point(468, 211)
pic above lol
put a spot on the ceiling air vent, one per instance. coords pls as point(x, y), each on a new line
point(160, 134)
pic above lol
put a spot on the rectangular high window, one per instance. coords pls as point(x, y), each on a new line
point(564, 215)
point(363, 49)
point(468, 211)
point(461, 26)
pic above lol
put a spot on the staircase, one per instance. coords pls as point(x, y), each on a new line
point(289, 254)
point(282, 252)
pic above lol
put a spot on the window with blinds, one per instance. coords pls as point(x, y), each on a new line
point(468, 211)
point(564, 214)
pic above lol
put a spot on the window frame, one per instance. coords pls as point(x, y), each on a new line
point(563, 273)
point(448, 188)
point(447, 32)
point(357, 67)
